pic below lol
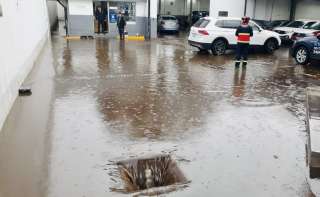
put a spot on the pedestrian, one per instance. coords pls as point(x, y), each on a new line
point(121, 23)
point(100, 17)
point(244, 33)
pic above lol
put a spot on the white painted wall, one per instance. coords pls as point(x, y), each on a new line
point(24, 29)
point(258, 9)
point(308, 9)
point(235, 8)
point(272, 10)
point(81, 7)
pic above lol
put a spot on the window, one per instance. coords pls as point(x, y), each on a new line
point(315, 26)
point(308, 25)
point(230, 24)
point(172, 18)
point(223, 13)
point(128, 8)
point(202, 23)
point(254, 27)
point(296, 24)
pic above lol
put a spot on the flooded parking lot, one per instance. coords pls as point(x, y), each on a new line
point(100, 102)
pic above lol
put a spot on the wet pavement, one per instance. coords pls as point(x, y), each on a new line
point(97, 103)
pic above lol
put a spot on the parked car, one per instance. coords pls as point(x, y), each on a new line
point(306, 49)
point(278, 23)
point(263, 23)
point(168, 23)
point(218, 35)
point(310, 31)
point(287, 31)
point(196, 15)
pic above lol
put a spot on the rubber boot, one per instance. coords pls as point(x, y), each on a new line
point(237, 64)
point(244, 64)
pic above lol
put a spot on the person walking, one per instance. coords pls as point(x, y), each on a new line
point(244, 33)
point(100, 17)
point(121, 23)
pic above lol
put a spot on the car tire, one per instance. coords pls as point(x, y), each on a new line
point(219, 47)
point(301, 55)
point(271, 45)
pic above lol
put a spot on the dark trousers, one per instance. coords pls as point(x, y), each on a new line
point(242, 52)
point(101, 27)
point(121, 33)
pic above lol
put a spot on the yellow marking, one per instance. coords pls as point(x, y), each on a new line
point(72, 37)
point(137, 38)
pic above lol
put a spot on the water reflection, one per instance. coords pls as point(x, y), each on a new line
point(239, 82)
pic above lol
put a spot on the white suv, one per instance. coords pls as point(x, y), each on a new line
point(218, 35)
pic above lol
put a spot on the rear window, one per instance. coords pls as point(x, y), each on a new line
point(315, 26)
point(230, 24)
point(167, 18)
point(296, 24)
point(202, 23)
point(308, 25)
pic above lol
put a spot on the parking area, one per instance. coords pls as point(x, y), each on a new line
point(106, 103)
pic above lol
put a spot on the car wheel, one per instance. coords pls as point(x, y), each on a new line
point(271, 45)
point(302, 55)
point(219, 47)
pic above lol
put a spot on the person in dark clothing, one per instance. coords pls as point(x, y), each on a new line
point(121, 23)
point(100, 17)
point(244, 33)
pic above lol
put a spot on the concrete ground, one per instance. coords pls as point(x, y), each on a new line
point(96, 102)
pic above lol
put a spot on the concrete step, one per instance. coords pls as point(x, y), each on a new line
point(313, 128)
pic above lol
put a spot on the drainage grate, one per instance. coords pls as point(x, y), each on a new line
point(150, 173)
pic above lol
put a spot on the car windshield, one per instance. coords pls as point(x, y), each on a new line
point(308, 25)
point(167, 18)
point(315, 26)
point(295, 24)
point(285, 23)
point(201, 23)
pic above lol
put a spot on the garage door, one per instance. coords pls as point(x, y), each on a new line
point(308, 9)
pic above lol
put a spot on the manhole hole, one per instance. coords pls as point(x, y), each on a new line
point(151, 176)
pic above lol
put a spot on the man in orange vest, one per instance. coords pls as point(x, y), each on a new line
point(244, 33)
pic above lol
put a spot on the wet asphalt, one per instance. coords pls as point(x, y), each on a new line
point(97, 102)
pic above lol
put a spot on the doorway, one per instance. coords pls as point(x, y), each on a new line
point(100, 10)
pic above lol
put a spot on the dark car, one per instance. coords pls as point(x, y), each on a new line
point(306, 49)
point(278, 23)
point(196, 15)
point(263, 23)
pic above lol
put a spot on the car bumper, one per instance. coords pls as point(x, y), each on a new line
point(206, 46)
point(285, 38)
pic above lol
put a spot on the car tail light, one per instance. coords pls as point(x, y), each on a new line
point(203, 32)
point(294, 36)
point(316, 33)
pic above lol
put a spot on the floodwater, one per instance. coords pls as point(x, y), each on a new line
point(98, 102)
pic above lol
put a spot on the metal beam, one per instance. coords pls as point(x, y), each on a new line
point(293, 9)
point(245, 7)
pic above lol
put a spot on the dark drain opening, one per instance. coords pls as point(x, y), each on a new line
point(141, 174)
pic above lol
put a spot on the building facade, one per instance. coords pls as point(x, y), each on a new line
point(81, 16)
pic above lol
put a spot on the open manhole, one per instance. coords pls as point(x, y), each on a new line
point(150, 176)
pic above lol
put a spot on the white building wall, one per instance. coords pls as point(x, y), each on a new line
point(308, 9)
point(24, 30)
point(258, 9)
point(272, 10)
